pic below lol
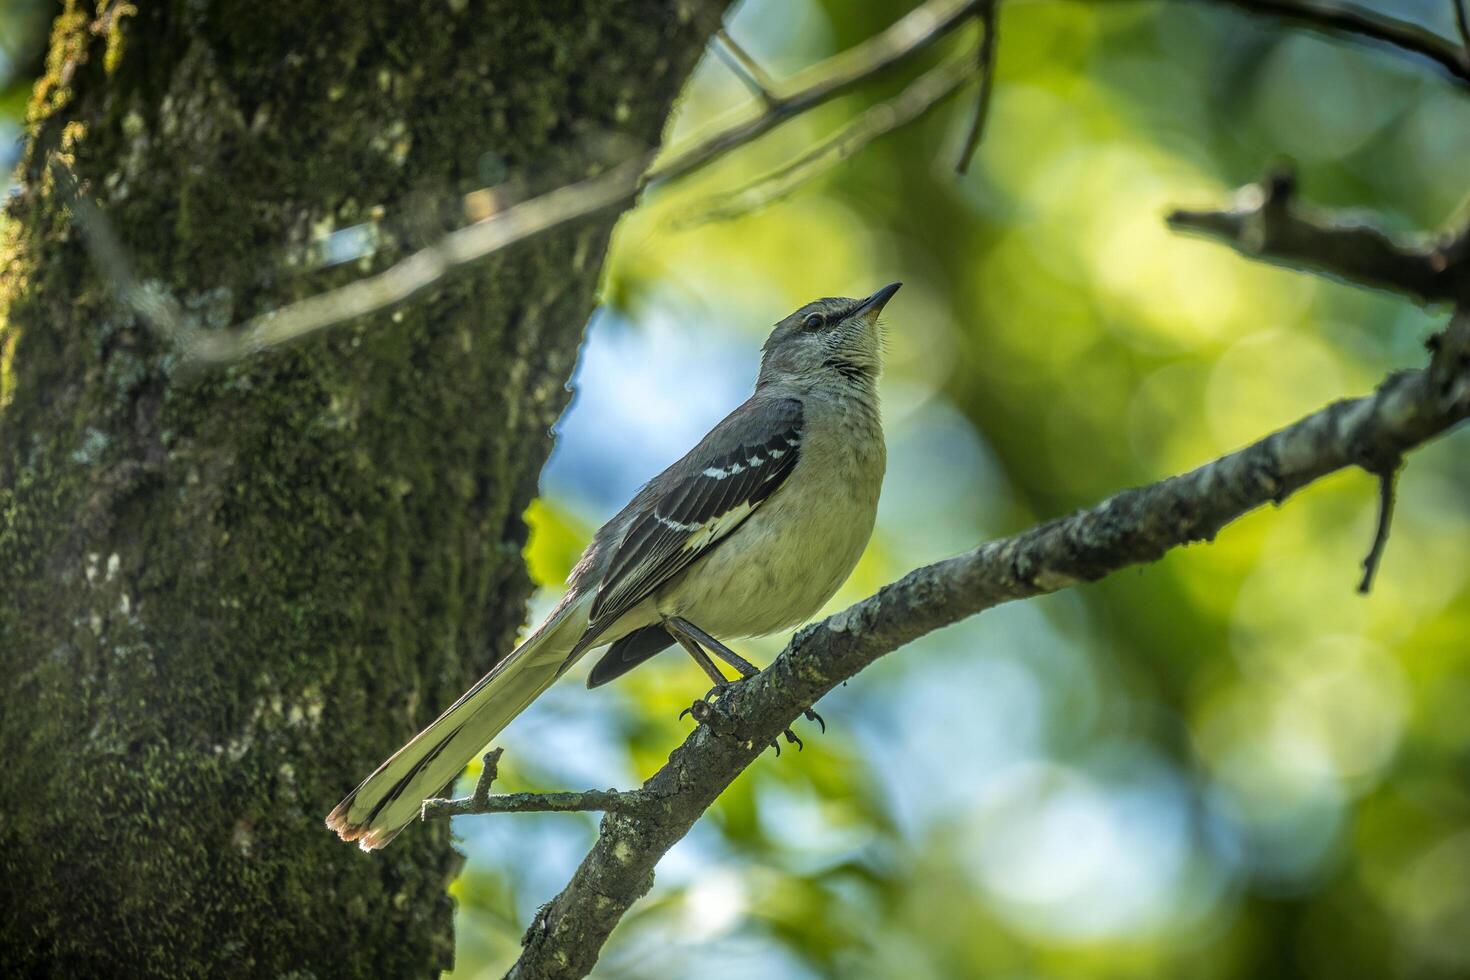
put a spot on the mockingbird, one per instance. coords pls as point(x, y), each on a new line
point(748, 534)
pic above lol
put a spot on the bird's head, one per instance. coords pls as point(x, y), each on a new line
point(828, 340)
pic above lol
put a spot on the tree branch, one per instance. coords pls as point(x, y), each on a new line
point(1266, 223)
point(1132, 527)
point(1344, 18)
point(914, 33)
point(421, 269)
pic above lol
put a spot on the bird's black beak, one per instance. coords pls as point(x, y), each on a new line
point(876, 302)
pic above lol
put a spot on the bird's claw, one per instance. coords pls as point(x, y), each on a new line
point(811, 715)
point(791, 739)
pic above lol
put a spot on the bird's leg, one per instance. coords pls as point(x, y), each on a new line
point(701, 709)
point(745, 667)
point(692, 647)
point(694, 639)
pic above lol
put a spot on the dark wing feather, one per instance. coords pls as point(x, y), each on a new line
point(628, 653)
point(697, 502)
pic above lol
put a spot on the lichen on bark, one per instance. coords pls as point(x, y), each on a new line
point(225, 595)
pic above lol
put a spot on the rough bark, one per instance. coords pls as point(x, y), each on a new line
point(225, 595)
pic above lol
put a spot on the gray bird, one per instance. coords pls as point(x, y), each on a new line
point(750, 533)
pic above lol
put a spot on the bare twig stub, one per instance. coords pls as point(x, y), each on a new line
point(1132, 527)
point(1387, 480)
point(1265, 222)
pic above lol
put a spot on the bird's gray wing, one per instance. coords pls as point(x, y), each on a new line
point(694, 505)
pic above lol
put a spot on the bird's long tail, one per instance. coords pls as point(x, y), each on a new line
point(389, 799)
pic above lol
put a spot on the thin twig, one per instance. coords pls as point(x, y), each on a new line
point(480, 801)
point(1462, 21)
point(989, 23)
point(745, 67)
point(1265, 222)
point(595, 800)
point(921, 95)
point(1387, 478)
point(915, 32)
point(423, 268)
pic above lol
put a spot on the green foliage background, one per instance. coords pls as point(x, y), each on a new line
point(1227, 765)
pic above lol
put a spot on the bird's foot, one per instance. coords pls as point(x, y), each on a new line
point(706, 711)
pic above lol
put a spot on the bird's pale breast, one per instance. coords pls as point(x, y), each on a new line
point(796, 550)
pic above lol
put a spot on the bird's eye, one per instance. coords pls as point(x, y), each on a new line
point(814, 322)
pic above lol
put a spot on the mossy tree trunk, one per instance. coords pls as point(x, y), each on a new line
point(225, 595)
